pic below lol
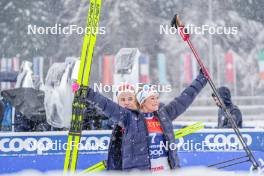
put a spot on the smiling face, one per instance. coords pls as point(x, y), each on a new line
point(127, 100)
point(151, 104)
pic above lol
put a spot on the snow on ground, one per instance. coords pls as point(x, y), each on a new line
point(196, 171)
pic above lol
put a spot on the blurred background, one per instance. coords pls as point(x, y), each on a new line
point(235, 61)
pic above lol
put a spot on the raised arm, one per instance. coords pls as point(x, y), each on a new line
point(177, 106)
point(112, 110)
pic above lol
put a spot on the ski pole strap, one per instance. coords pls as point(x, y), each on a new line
point(183, 33)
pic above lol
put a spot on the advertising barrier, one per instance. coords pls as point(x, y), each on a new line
point(44, 151)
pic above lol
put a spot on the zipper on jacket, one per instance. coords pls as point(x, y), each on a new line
point(147, 134)
point(166, 139)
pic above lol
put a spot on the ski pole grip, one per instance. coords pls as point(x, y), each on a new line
point(178, 22)
point(175, 22)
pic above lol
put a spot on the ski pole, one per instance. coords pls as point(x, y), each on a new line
point(185, 36)
point(229, 161)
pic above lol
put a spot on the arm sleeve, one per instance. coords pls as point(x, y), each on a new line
point(181, 103)
point(112, 110)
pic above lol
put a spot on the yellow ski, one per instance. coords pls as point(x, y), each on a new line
point(188, 130)
point(98, 167)
point(79, 104)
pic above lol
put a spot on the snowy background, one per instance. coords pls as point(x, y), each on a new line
point(137, 24)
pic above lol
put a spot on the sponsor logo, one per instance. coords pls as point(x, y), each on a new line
point(28, 144)
point(44, 144)
point(211, 142)
point(229, 141)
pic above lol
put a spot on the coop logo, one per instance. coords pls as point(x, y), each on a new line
point(231, 141)
point(29, 144)
point(44, 144)
point(94, 143)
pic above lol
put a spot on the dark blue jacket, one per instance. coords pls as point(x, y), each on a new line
point(223, 121)
point(114, 160)
point(2, 112)
point(135, 151)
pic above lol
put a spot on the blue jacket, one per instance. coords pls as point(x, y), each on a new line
point(134, 147)
point(114, 160)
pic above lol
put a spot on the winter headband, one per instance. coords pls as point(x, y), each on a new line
point(146, 92)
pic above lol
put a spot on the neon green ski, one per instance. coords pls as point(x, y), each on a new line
point(188, 130)
point(79, 104)
point(98, 167)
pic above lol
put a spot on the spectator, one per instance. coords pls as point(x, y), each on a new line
point(223, 121)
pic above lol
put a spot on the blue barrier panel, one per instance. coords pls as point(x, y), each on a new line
point(44, 151)
point(210, 146)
